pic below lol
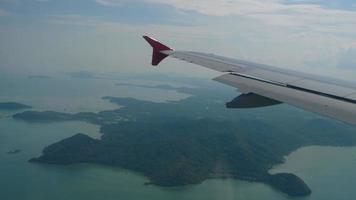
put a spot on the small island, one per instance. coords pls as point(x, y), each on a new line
point(42, 77)
point(16, 151)
point(161, 86)
point(13, 106)
point(82, 75)
point(185, 142)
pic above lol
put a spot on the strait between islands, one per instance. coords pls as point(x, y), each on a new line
point(188, 141)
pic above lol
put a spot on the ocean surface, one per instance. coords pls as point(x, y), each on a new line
point(329, 171)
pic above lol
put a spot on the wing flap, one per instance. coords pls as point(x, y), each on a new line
point(323, 87)
point(341, 110)
point(265, 72)
point(273, 76)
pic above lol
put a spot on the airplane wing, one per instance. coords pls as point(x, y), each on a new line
point(264, 85)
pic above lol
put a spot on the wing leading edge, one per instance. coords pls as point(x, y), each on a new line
point(269, 85)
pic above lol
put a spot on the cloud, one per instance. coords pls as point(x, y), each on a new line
point(300, 14)
point(347, 58)
point(77, 20)
point(295, 14)
point(271, 31)
point(168, 31)
point(3, 13)
point(110, 2)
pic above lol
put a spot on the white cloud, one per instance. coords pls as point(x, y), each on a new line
point(305, 14)
point(77, 20)
point(255, 30)
point(110, 2)
point(347, 58)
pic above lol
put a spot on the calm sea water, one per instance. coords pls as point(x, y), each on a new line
point(329, 171)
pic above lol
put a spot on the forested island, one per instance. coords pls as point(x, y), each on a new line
point(188, 141)
point(13, 106)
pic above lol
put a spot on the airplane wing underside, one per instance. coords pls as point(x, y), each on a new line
point(271, 85)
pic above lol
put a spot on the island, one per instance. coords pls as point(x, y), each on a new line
point(188, 141)
point(42, 77)
point(16, 151)
point(13, 106)
point(160, 86)
point(82, 75)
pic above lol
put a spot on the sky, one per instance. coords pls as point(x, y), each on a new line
point(41, 37)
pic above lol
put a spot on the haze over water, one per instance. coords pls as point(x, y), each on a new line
point(327, 170)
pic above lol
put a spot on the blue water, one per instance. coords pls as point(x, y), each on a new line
point(329, 171)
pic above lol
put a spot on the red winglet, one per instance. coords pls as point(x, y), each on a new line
point(157, 55)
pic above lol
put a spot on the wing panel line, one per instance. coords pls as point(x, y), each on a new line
point(298, 88)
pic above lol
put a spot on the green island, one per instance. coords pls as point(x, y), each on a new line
point(13, 106)
point(191, 140)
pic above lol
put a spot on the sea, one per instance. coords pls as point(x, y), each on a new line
point(329, 171)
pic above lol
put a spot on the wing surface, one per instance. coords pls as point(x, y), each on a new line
point(328, 97)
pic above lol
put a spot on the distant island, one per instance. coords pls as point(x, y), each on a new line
point(39, 77)
point(188, 141)
point(13, 106)
point(82, 75)
point(16, 151)
point(161, 86)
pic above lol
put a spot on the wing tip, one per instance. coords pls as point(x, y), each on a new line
point(157, 55)
point(155, 44)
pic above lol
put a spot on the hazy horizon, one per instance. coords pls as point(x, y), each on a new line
point(47, 36)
